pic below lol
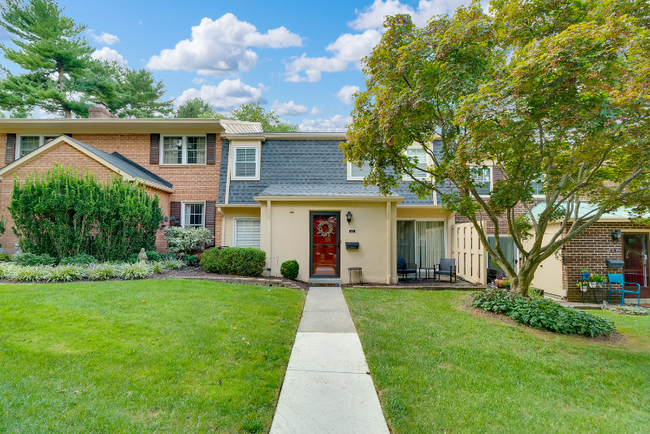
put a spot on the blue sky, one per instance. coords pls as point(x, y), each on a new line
point(301, 59)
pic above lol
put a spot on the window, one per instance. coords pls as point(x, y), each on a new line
point(421, 158)
point(245, 163)
point(482, 177)
point(537, 186)
point(421, 242)
point(356, 172)
point(246, 232)
point(183, 149)
point(27, 144)
point(193, 214)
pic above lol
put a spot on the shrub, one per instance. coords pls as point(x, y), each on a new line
point(173, 264)
point(157, 267)
point(80, 259)
point(543, 313)
point(209, 260)
point(191, 260)
point(132, 258)
point(5, 257)
point(629, 310)
point(289, 269)
point(68, 273)
point(241, 261)
point(153, 255)
point(30, 259)
point(187, 240)
point(65, 212)
point(135, 271)
point(103, 271)
point(167, 256)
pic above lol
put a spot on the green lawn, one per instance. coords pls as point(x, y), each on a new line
point(440, 369)
point(165, 356)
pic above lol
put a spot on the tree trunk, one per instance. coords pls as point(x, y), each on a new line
point(521, 283)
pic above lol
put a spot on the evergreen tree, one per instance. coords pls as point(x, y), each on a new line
point(52, 51)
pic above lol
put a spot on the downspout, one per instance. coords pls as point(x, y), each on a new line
point(388, 242)
point(268, 234)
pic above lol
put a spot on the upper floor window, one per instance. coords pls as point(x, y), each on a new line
point(356, 172)
point(183, 149)
point(194, 214)
point(27, 144)
point(482, 177)
point(420, 157)
point(246, 163)
point(538, 187)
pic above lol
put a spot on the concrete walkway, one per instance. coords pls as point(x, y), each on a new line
point(327, 387)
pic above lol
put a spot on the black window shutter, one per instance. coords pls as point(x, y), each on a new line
point(154, 150)
point(10, 149)
point(175, 214)
point(211, 149)
point(210, 210)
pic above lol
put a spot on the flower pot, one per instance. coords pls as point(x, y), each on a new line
point(501, 283)
point(586, 275)
point(592, 284)
point(508, 287)
point(584, 288)
point(565, 293)
point(600, 284)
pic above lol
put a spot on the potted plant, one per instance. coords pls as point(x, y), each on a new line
point(599, 279)
point(585, 273)
point(593, 282)
point(507, 283)
point(582, 286)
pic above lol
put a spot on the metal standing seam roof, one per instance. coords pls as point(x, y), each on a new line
point(588, 208)
point(355, 189)
point(125, 165)
point(240, 127)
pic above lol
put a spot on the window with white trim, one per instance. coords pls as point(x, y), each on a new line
point(356, 172)
point(183, 149)
point(482, 177)
point(194, 214)
point(420, 157)
point(537, 186)
point(245, 163)
point(246, 232)
point(29, 143)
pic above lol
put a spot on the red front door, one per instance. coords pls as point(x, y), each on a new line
point(635, 256)
point(325, 244)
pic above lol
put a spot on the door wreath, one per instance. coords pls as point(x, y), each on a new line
point(325, 229)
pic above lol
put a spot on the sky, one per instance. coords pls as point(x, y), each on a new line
point(301, 59)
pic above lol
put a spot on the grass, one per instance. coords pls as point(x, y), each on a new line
point(164, 356)
point(441, 369)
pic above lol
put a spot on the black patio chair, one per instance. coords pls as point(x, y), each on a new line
point(405, 268)
point(447, 267)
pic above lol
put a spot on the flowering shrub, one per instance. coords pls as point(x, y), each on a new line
point(187, 240)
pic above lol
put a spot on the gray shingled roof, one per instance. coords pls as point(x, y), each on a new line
point(333, 190)
point(125, 165)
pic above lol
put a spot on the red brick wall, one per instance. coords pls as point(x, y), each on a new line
point(591, 249)
point(67, 156)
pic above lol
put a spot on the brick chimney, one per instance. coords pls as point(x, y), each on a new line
point(100, 112)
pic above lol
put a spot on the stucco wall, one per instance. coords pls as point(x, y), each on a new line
point(67, 156)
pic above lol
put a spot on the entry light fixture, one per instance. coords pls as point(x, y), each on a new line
point(616, 236)
point(348, 216)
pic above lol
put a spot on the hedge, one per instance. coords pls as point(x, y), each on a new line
point(234, 260)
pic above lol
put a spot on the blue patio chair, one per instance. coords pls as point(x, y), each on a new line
point(405, 269)
point(618, 278)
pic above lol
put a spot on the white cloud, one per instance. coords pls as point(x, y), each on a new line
point(373, 16)
point(109, 54)
point(345, 95)
point(222, 47)
point(289, 108)
point(104, 38)
point(199, 80)
point(333, 124)
point(315, 111)
point(348, 48)
point(225, 95)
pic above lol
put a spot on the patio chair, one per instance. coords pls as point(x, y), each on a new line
point(447, 267)
point(405, 268)
point(618, 278)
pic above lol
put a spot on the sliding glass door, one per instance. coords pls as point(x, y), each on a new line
point(421, 242)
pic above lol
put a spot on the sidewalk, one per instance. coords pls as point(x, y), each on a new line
point(327, 387)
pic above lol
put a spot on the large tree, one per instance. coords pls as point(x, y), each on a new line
point(196, 108)
point(551, 92)
point(51, 49)
point(271, 123)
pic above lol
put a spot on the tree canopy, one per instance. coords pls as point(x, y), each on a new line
point(60, 74)
point(553, 93)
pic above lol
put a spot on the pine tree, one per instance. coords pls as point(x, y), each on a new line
point(54, 54)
